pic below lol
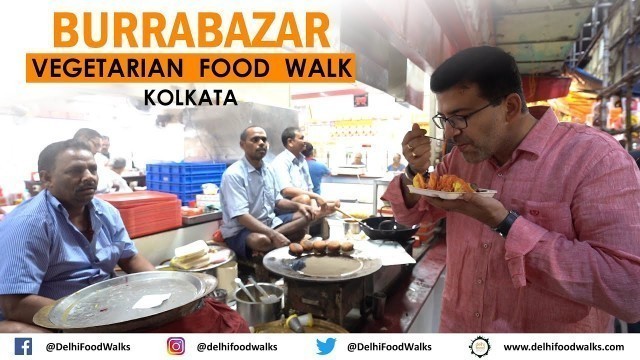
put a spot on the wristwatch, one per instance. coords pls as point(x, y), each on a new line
point(504, 227)
point(410, 174)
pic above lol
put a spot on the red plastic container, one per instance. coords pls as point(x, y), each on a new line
point(146, 212)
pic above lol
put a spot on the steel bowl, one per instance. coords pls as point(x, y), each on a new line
point(259, 312)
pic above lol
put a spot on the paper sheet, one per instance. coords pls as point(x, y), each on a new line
point(389, 252)
point(151, 301)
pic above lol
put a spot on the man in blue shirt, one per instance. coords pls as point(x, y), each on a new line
point(293, 173)
point(317, 170)
point(62, 240)
point(396, 165)
point(250, 194)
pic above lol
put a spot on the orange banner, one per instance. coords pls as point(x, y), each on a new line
point(190, 68)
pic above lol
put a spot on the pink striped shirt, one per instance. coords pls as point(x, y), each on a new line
point(570, 261)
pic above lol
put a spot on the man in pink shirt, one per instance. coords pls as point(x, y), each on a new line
point(558, 248)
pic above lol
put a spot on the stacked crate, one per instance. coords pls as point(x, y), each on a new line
point(183, 179)
point(146, 212)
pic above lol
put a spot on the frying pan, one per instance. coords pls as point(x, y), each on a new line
point(386, 228)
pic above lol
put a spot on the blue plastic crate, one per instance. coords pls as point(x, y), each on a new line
point(174, 188)
point(186, 168)
point(186, 197)
point(214, 177)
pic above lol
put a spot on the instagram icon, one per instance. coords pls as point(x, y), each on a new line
point(175, 346)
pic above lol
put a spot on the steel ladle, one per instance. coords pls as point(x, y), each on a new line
point(239, 282)
point(265, 298)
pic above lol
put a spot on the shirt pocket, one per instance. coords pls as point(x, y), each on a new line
point(109, 254)
point(269, 194)
point(551, 215)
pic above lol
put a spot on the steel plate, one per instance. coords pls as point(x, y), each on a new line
point(165, 265)
point(111, 301)
point(324, 268)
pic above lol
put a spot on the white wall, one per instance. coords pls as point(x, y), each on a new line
point(133, 135)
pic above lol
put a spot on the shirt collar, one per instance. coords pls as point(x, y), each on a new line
point(296, 160)
point(536, 139)
point(250, 168)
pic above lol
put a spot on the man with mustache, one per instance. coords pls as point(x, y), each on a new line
point(294, 176)
point(558, 248)
point(249, 193)
point(61, 240)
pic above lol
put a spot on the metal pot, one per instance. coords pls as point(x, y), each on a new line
point(386, 228)
point(258, 312)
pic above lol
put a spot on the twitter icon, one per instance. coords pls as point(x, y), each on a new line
point(325, 347)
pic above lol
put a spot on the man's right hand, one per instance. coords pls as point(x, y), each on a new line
point(416, 148)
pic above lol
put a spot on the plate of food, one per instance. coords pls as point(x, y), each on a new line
point(446, 187)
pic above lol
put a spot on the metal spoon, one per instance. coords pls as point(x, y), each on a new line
point(265, 298)
point(239, 282)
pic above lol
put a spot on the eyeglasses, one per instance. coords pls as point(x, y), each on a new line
point(456, 121)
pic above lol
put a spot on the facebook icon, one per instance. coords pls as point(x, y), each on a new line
point(23, 346)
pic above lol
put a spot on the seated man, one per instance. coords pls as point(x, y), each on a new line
point(111, 177)
point(62, 240)
point(93, 140)
point(292, 171)
point(396, 165)
point(357, 160)
point(249, 193)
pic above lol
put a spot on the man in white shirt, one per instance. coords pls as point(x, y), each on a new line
point(108, 180)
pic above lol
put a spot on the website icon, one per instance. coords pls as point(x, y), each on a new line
point(23, 346)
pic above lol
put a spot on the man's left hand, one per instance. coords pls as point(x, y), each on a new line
point(486, 210)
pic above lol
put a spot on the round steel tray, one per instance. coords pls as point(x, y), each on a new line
point(108, 305)
point(323, 268)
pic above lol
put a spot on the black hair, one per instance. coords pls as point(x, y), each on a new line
point(118, 163)
point(48, 156)
point(243, 134)
point(86, 134)
point(494, 70)
point(308, 149)
point(289, 133)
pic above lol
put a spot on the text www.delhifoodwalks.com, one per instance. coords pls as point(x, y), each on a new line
point(381, 346)
point(51, 347)
point(546, 346)
point(236, 347)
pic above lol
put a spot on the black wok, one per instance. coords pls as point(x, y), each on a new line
point(386, 228)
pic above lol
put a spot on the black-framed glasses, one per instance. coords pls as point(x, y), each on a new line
point(456, 121)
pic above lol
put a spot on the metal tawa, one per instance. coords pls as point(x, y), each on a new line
point(108, 306)
point(323, 268)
